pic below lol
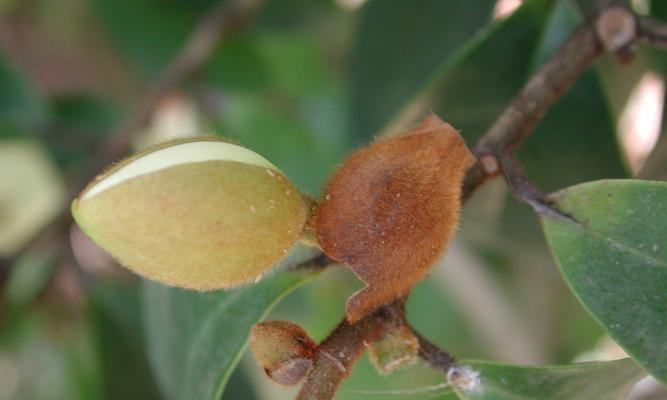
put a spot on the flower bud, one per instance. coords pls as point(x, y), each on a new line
point(198, 213)
point(391, 208)
point(283, 349)
point(395, 349)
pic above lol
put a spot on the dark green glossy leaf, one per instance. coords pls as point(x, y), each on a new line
point(615, 260)
point(399, 47)
point(609, 380)
point(195, 339)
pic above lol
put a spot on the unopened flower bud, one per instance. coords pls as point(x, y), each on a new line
point(283, 349)
point(198, 213)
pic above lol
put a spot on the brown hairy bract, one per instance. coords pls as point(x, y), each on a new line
point(391, 208)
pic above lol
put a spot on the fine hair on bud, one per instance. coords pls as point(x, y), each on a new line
point(198, 213)
point(390, 209)
point(283, 349)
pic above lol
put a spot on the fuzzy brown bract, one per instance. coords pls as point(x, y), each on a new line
point(390, 209)
point(283, 349)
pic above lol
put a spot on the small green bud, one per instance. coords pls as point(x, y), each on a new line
point(198, 213)
point(395, 349)
point(283, 349)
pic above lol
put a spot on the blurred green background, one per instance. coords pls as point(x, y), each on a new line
point(302, 83)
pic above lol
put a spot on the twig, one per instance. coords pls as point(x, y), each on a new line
point(522, 188)
point(548, 84)
point(337, 354)
point(434, 356)
point(652, 31)
point(557, 75)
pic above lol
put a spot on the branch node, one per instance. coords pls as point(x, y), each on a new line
point(490, 165)
point(616, 27)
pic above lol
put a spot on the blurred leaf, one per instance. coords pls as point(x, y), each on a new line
point(82, 112)
point(150, 32)
point(471, 95)
point(28, 277)
point(656, 164)
point(579, 132)
point(20, 106)
point(608, 380)
point(195, 339)
point(398, 48)
point(294, 14)
point(237, 64)
point(116, 311)
point(292, 113)
point(283, 138)
point(48, 355)
point(575, 142)
point(615, 260)
point(31, 192)
point(78, 124)
point(418, 382)
point(295, 63)
point(658, 10)
point(473, 92)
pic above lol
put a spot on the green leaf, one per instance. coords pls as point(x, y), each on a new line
point(195, 339)
point(31, 192)
point(474, 92)
point(398, 48)
point(150, 32)
point(577, 134)
point(237, 65)
point(116, 312)
point(29, 276)
point(301, 151)
point(47, 353)
point(614, 257)
point(86, 119)
point(20, 106)
point(586, 381)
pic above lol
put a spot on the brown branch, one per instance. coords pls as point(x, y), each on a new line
point(612, 27)
point(199, 46)
point(525, 190)
point(337, 354)
point(547, 85)
point(434, 356)
point(652, 31)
